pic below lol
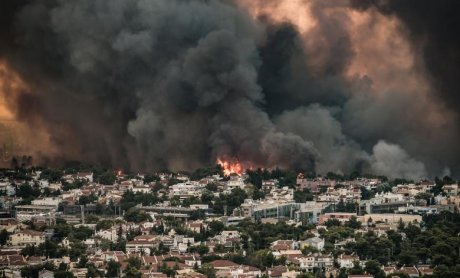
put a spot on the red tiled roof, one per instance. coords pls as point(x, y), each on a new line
point(223, 263)
point(280, 247)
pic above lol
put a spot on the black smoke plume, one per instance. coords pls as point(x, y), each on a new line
point(178, 83)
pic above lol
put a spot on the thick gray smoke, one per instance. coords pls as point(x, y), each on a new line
point(179, 83)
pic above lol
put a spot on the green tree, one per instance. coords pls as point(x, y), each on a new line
point(93, 271)
point(84, 200)
point(151, 178)
point(27, 191)
point(113, 269)
point(104, 225)
point(131, 272)
point(134, 262)
point(51, 175)
point(200, 249)
point(63, 274)
point(82, 261)
point(77, 249)
point(366, 194)
point(342, 273)
point(136, 216)
point(303, 196)
point(107, 178)
point(407, 257)
point(82, 233)
point(440, 259)
point(31, 271)
point(216, 227)
point(211, 187)
point(332, 222)
point(264, 258)
point(356, 269)
point(374, 268)
point(4, 235)
point(353, 223)
point(208, 270)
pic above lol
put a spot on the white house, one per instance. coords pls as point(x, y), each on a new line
point(109, 234)
point(347, 261)
point(314, 242)
point(234, 182)
point(45, 274)
point(28, 237)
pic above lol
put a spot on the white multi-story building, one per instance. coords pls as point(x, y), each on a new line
point(450, 189)
point(24, 238)
point(340, 194)
point(307, 262)
point(309, 212)
point(27, 212)
point(411, 189)
point(234, 182)
point(315, 242)
point(347, 261)
point(7, 187)
point(187, 189)
point(142, 244)
point(386, 203)
point(269, 185)
point(283, 194)
point(84, 176)
point(111, 234)
point(48, 201)
point(267, 209)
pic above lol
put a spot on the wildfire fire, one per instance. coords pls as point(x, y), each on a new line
point(230, 167)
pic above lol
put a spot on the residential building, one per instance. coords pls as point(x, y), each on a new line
point(27, 212)
point(27, 237)
point(144, 244)
point(450, 189)
point(234, 182)
point(347, 261)
point(385, 203)
point(341, 216)
point(45, 274)
point(315, 242)
point(390, 218)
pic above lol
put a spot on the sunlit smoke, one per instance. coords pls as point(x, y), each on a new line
point(311, 85)
point(10, 86)
point(18, 137)
point(296, 12)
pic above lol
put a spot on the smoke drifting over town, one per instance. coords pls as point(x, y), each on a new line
point(322, 86)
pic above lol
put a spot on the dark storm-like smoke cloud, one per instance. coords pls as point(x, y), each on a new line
point(149, 84)
point(433, 27)
point(154, 84)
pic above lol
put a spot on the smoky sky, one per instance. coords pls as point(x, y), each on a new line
point(433, 28)
point(146, 85)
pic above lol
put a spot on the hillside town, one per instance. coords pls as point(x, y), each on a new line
point(218, 222)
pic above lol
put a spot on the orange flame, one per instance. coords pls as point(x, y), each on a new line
point(230, 167)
